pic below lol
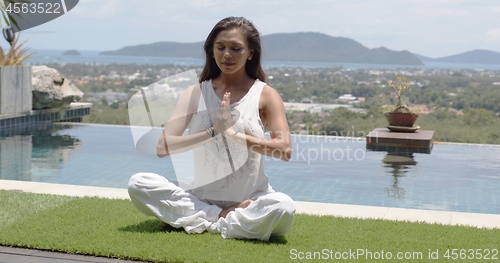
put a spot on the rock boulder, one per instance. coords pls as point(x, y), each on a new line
point(51, 89)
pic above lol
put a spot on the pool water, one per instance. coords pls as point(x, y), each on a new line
point(464, 178)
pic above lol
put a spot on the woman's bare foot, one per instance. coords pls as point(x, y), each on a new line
point(245, 203)
point(226, 211)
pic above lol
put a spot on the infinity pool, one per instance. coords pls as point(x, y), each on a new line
point(452, 177)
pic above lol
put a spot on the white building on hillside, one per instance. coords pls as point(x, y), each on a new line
point(346, 98)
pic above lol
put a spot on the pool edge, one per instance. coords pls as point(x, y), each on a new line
point(311, 208)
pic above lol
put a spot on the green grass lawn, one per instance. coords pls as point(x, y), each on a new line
point(114, 228)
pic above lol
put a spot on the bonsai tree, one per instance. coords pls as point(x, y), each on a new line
point(401, 86)
point(401, 116)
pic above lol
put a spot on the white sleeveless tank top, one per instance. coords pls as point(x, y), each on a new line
point(214, 178)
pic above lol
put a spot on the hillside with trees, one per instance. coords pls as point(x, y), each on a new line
point(460, 105)
point(477, 56)
point(287, 47)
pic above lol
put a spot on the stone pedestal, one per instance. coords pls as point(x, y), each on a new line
point(15, 89)
point(418, 141)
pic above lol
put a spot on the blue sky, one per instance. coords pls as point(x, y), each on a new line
point(433, 28)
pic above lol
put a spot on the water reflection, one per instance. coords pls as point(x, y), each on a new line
point(37, 149)
point(400, 162)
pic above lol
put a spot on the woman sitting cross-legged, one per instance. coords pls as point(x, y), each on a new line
point(226, 115)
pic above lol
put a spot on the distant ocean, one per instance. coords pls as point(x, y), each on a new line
point(93, 57)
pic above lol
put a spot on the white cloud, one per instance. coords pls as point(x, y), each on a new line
point(441, 12)
point(94, 9)
point(493, 34)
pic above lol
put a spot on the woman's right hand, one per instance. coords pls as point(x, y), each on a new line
point(224, 121)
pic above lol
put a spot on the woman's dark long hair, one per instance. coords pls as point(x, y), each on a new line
point(252, 67)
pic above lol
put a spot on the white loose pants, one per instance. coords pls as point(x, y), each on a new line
point(154, 195)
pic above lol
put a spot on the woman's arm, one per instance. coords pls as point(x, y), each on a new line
point(273, 111)
point(171, 140)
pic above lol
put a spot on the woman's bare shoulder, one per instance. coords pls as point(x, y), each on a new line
point(269, 96)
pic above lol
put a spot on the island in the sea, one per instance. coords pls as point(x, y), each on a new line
point(71, 52)
point(304, 46)
point(312, 47)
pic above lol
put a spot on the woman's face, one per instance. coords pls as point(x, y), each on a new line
point(231, 50)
